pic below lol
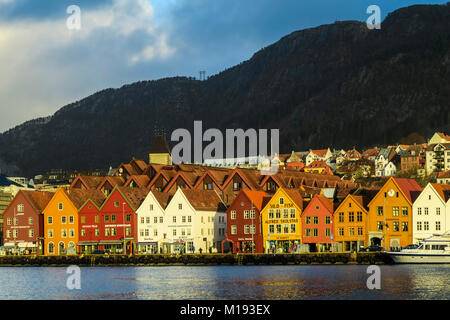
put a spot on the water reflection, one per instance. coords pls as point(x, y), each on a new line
point(228, 282)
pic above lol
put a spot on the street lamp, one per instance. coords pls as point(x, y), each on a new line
point(123, 220)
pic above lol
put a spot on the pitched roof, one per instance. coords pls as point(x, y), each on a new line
point(204, 200)
point(5, 182)
point(321, 153)
point(159, 145)
point(443, 175)
point(39, 199)
point(163, 198)
point(443, 190)
point(80, 196)
point(258, 198)
point(443, 136)
point(295, 196)
point(409, 187)
point(135, 196)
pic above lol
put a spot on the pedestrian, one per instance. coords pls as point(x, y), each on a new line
point(200, 250)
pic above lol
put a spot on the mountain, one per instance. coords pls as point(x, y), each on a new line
point(339, 85)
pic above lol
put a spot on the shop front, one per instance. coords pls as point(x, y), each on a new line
point(283, 246)
point(148, 247)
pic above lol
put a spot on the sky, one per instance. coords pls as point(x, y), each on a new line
point(44, 65)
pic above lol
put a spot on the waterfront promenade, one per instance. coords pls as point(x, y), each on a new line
point(198, 259)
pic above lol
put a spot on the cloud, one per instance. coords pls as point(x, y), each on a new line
point(45, 66)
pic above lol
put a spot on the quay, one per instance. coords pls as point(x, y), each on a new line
point(197, 259)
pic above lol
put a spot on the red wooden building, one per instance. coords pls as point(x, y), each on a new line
point(244, 229)
point(23, 227)
point(317, 224)
point(112, 225)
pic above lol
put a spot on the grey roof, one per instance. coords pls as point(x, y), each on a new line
point(159, 145)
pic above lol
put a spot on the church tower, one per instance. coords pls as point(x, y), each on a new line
point(159, 151)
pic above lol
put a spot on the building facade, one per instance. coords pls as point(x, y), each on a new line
point(244, 225)
point(281, 222)
point(317, 224)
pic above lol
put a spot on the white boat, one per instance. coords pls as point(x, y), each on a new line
point(435, 249)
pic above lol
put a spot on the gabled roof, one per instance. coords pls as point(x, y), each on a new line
point(90, 182)
point(318, 164)
point(410, 188)
point(38, 199)
point(163, 198)
point(141, 181)
point(204, 200)
point(295, 196)
point(443, 190)
point(5, 182)
point(258, 198)
point(113, 181)
point(80, 196)
point(321, 153)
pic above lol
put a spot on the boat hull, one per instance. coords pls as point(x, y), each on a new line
point(399, 257)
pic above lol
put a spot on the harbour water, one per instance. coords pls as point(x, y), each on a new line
point(228, 282)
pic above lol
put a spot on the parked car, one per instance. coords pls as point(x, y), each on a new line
point(372, 249)
point(98, 252)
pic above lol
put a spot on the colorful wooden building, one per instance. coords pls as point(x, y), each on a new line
point(281, 222)
point(390, 213)
point(350, 223)
point(116, 229)
point(23, 228)
point(244, 229)
point(317, 224)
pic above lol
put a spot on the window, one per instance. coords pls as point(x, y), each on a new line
point(161, 219)
point(72, 233)
point(246, 214)
point(315, 220)
point(341, 217)
point(116, 204)
point(174, 232)
point(60, 206)
point(8, 221)
point(180, 206)
point(142, 220)
point(71, 219)
point(379, 211)
point(50, 220)
point(63, 219)
point(16, 221)
point(351, 231)
point(404, 211)
point(315, 232)
point(15, 233)
point(107, 232)
point(360, 231)
point(271, 228)
point(359, 216)
point(20, 208)
point(97, 219)
point(281, 201)
point(183, 219)
point(328, 232)
point(419, 225)
point(51, 248)
point(308, 220)
point(292, 227)
point(396, 226)
point(351, 217)
point(379, 225)
point(252, 214)
point(438, 211)
point(327, 220)
point(341, 232)
point(155, 232)
point(233, 215)
point(183, 232)
point(113, 232)
point(83, 232)
point(308, 232)
point(128, 231)
point(438, 225)
point(30, 220)
point(426, 211)
point(97, 232)
point(151, 207)
point(426, 226)
point(278, 228)
point(395, 211)
point(404, 226)
point(50, 233)
point(270, 214)
point(285, 228)
point(113, 218)
point(174, 219)
point(278, 213)
point(246, 229)
point(285, 213)
point(128, 218)
point(106, 218)
point(63, 233)
point(419, 211)
point(293, 213)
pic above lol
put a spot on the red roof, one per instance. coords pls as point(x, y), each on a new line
point(409, 187)
point(258, 198)
point(320, 153)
